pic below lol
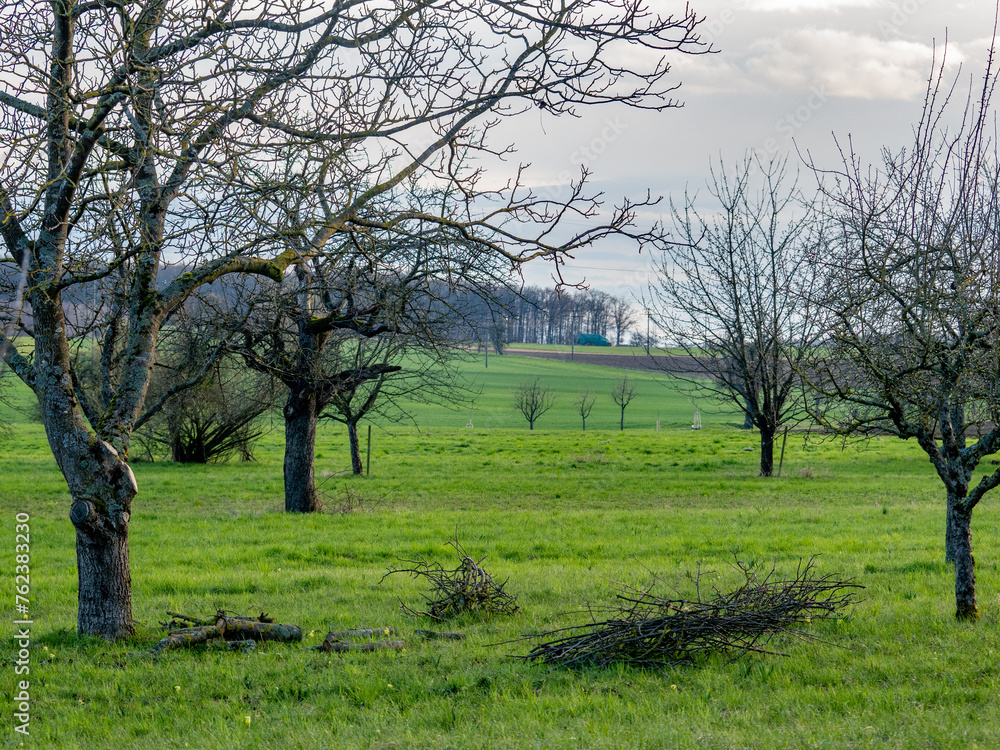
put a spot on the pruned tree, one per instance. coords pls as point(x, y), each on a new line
point(584, 404)
point(143, 133)
point(911, 291)
point(733, 293)
point(622, 394)
point(532, 398)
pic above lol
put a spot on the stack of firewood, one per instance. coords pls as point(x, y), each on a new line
point(242, 632)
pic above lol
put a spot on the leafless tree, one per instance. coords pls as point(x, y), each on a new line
point(911, 288)
point(733, 294)
point(622, 394)
point(404, 371)
point(584, 404)
point(532, 398)
point(140, 134)
point(623, 318)
point(407, 289)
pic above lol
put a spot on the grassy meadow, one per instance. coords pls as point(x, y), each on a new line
point(562, 513)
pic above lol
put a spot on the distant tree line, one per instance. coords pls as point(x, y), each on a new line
point(536, 315)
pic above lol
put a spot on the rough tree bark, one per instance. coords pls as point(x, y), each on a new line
point(966, 607)
point(301, 415)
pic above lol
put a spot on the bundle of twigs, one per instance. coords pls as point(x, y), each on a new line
point(465, 589)
point(651, 631)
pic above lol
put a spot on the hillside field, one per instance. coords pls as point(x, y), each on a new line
point(564, 515)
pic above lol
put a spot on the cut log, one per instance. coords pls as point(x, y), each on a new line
point(332, 645)
point(435, 635)
point(187, 637)
point(361, 633)
point(244, 647)
point(237, 629)
point(181, 620)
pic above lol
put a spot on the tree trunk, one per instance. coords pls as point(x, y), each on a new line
point(352, 435)
point(949, 529)
point(965, 566)
point(622, 424)
point(300, 451)
point(105, 584)
point(102, 486)
point(767, 451)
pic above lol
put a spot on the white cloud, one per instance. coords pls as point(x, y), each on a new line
point(840, 63)
point(844, 64)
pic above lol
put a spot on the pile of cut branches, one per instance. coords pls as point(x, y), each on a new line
point(242, 630)
point(651, 631)
point(467, 589)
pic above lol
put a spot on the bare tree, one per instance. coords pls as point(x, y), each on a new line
point(911, 288)
point(532, 398)
point(401, 287)
point(732, 293)
point(622, 394)
point(584, 404)
point(404, 371)
point(138, 134)
point(623, 318)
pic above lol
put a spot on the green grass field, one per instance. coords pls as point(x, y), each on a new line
point(562, 513)
point(658, 397)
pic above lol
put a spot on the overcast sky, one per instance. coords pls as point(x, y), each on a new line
point(788, 73)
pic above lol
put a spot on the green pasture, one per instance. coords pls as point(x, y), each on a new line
point(564, 514)
point(487, 396)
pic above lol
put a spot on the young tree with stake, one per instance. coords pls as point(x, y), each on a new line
point(622, 394)
point(584, 404)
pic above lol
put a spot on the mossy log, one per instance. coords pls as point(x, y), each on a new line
point(362, 633)
point(332, 645)
point(187, 637)
point(229, 629)
point(238, 629)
